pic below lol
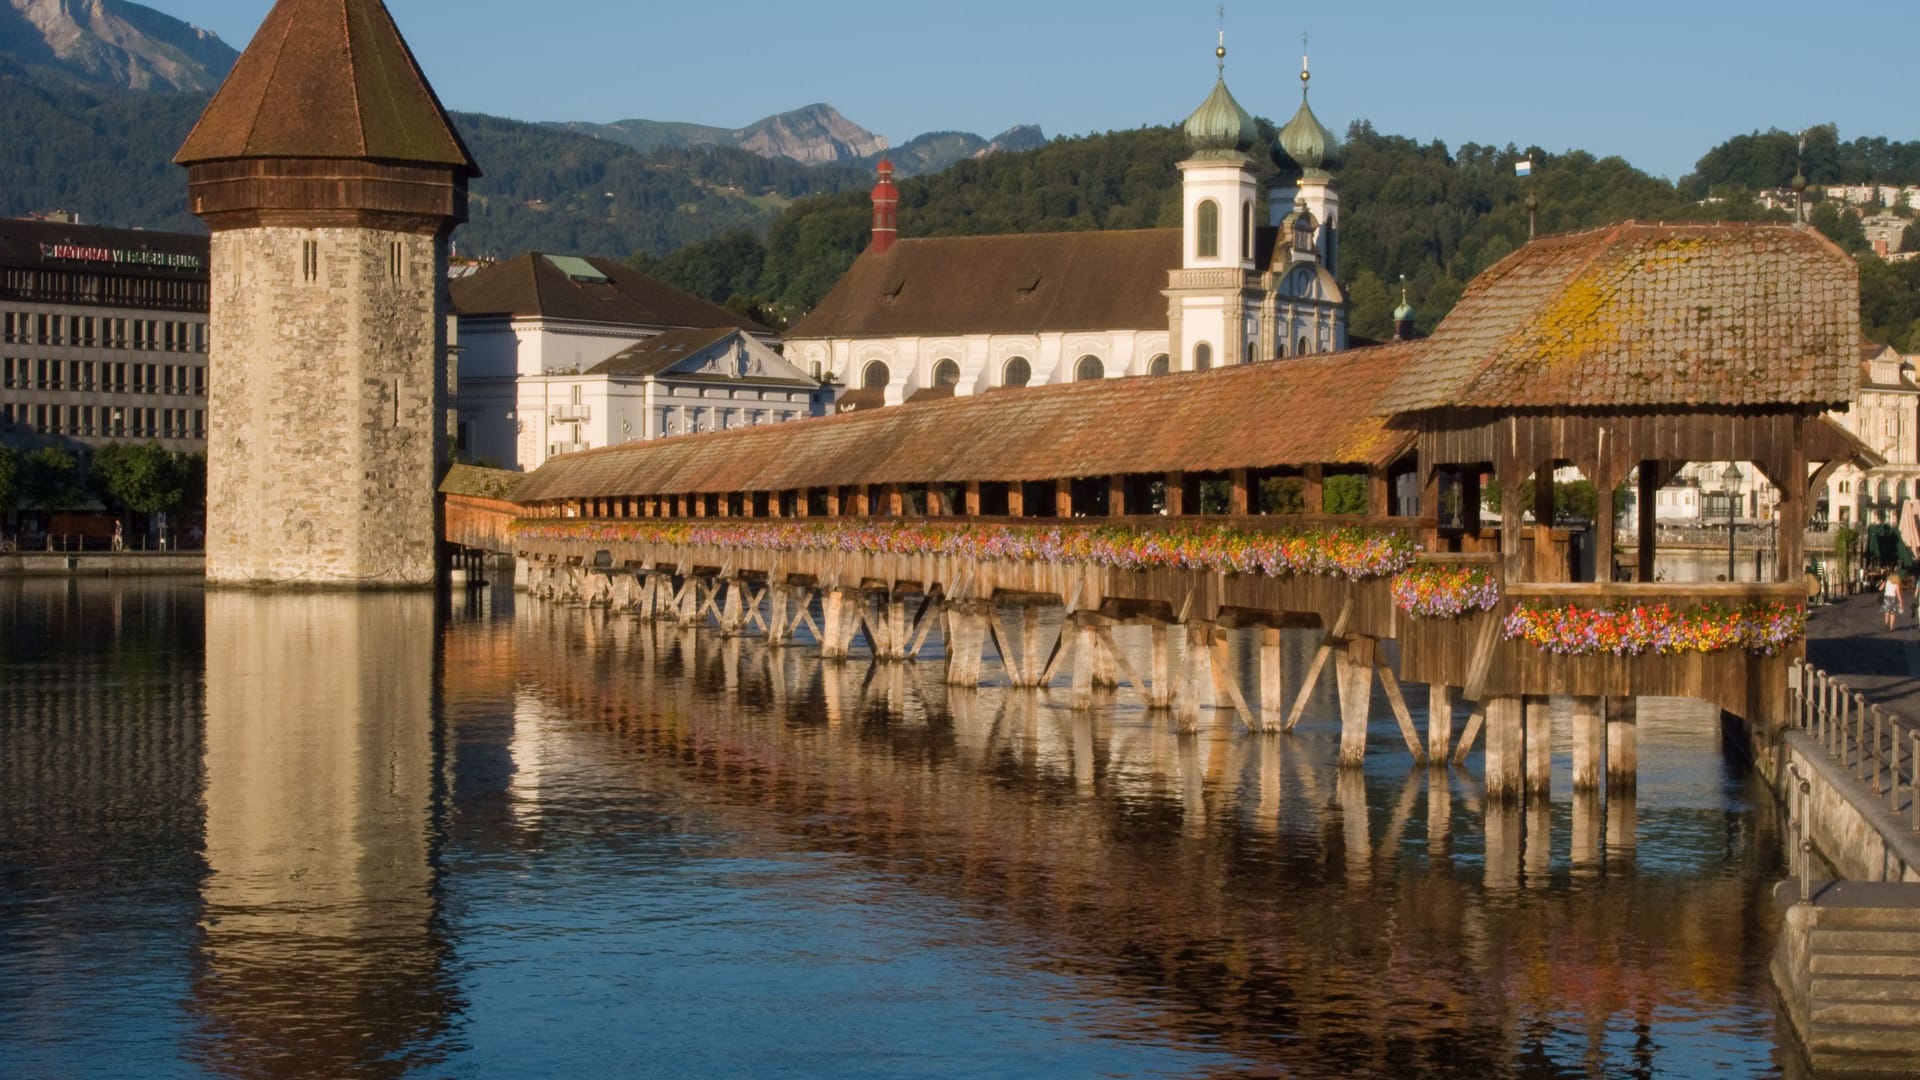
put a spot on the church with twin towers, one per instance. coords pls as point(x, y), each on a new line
point(916, 319)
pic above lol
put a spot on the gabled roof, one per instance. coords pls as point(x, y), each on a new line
point(616, 295)
point(1318, 410)
point(1650, 315)
point(327, 79)
point(662, 354)
point(1022, 284)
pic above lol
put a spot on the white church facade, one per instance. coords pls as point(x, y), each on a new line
point(944, 316)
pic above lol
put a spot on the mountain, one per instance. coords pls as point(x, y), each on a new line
point(112, 43)
point(814, 135)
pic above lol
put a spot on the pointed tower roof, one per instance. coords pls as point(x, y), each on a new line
point(1221, 129)
point(327, 79)
point(1305, 143)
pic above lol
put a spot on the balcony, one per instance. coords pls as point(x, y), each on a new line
point(556, 449)
point(566, 413)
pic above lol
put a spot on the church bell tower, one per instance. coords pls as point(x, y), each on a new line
point(1213, 297)
point(331, 178)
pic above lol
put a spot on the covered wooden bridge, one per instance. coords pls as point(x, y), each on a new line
point(1283, 495)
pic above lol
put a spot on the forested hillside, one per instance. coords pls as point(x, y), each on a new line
point(1418, 210)
point(107, 155)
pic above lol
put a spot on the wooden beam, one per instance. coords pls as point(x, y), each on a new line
point(1471, 734)
point(973, 498)
point(1016, 499)
point(1176, 499)
point(1314, 490)
point(1379, 492)
point(1063, 498)
point(1648, 542)
point(1404, 716)
point(1223, 679)
point(1237, 492)
point(1117, 495)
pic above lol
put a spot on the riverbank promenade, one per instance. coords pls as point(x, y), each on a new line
point(1849, 640)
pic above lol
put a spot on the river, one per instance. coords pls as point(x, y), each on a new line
point(317, 835)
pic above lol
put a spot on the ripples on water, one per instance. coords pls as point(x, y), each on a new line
point(311, 835)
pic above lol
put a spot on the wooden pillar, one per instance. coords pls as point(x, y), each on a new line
point(1160, 667)
point(1506, 746)
point(1313, 490)
point(1086, 655)
point(1588, 819)
point(1117, 495)
point(861, 502)
point(973, 499)
point(1603, 529)
point(895, 500)
point(1440, 700)
point(779, 613)
point(1589, 743)
point(837, 607)
point(937, 502)
point(1623, 752)
point(1795, 499)
point(1513, 555)
point(1273, 701)
point(1176, 485)
point(803, 503)
point(1353, 670)
point(692, 601)
point(966, 642)
point(1016, 499)
point(1547, 566)
point(699, 505)
point(1196, 675)
point(1379, 493)
point(1034, 665)
point(1649, 495)
point(1237, 492)
point(733, 609)
point(1539, 768)
point(1063, 498)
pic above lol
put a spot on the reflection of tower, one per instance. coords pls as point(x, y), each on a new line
point(320, 793)
point(331, 178)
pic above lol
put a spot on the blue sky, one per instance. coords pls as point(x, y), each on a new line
point(1656, 83)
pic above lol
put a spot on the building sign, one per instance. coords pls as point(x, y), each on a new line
point(164, 260)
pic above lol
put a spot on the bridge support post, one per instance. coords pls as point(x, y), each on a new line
point(1623, 752)
point(733, 609)
point(779, 613)
point(1160, 668)
point(1106, 664)
point(690, 602)
point(887, 627)
point(656, 597)
point(1506, 743)
point(1440, 698)
point(1273, 702)
point(966, 642)
point(1196, 676)
point(838, 610)
point(1353, 676)
point(1086, 657)
point(1539, 719)
point(1589, 743)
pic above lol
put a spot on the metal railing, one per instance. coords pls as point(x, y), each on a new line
point(1876, 747)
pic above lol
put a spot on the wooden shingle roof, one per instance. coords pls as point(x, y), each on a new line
point(327, 79)
point(1319, 410)
point(1650, 315)
point(1020, 284)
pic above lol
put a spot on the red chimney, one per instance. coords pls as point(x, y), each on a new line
point(886, 211)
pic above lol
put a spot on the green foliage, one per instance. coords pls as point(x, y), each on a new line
point(1766, 160)
point(1344, 493)
point(139, 477)
point(1283, 495)
point(9, 476)
point(1577, 500)
point(1842, 225)
point(50, 479)
point(1890, 302)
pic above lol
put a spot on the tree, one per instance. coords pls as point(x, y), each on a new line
point(50, 479)
point(141, 478)
point(1344, 493)
point(9, 476)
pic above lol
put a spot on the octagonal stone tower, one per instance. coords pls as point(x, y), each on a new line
point(331, 178)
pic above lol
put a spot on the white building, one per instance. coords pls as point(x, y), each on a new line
point(1886, 416)
point(943, 316)
point(674, 383)
point(540, 316)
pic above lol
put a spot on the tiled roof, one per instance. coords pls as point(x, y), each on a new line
point(1319, 410)
point(1650, 315)
point(1022, 284)
point(533, 284)
point(657, 354)
point(327, 79)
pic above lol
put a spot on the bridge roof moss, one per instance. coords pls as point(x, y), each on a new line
point(1312, 411)
point(1638, 316)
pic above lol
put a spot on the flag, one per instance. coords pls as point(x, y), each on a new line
point(1523, 168)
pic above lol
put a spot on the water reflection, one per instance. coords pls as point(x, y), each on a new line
point(319, 952)
point(351, 836)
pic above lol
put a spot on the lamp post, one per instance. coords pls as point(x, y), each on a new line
point(1730, 489)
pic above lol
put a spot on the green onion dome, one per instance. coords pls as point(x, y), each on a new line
point(1220, 129)
point(1305, 144)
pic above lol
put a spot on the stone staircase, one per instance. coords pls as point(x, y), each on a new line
point(1849, 974)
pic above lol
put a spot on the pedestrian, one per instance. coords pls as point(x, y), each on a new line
point(119, 541)
point(1892, 598)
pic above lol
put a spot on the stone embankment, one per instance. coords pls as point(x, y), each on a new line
point(101, 563)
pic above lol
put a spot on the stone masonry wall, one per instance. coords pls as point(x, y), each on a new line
point(325, 403)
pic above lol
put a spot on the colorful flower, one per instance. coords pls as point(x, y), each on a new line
point(1761, 629)
point(1442, 591)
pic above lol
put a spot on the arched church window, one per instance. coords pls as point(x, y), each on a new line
point(1209, 229)
point(1202, 356)
point(814, 370)
point(1246, 231)
point(1305, 348)
point(876, 376)
point(1088, 369)
point(946, 373)
point(1018, 372)
point(1160, 365)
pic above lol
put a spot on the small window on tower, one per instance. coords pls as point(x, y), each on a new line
point(310, 260)
point(396, 261)
point(1208, 227)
